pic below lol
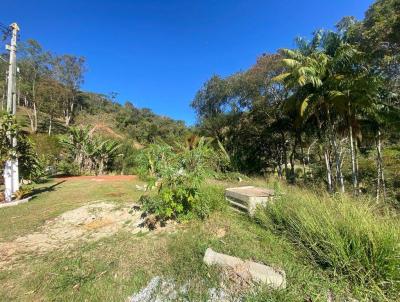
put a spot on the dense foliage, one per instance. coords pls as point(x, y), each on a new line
point(89, 153)
point(317, 111)
point(30, 166)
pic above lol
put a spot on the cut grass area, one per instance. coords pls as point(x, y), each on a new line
point(56, 197)
point(115, 267)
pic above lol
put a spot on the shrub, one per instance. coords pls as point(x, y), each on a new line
point(65, 167)
point(342, 235)
point(30, 166)
point(127, 163)
point(23, 192)
point(153, 162)
point(179, 177)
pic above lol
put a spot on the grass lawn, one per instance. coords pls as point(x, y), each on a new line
point(115, 267)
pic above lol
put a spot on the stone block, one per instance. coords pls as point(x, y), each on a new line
point(247, 198)
point(258, 272)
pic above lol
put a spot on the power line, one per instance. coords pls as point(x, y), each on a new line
point(5, 31)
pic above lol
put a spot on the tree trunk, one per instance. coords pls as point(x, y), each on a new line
point(67, 117)
point(356, 159)
point(339, 174)
point(35, 120)
point(303, 160)
point(50, 124)
point(292, 158)
point(279, 168)
point(328, 171)
point(338, 162)
point(353, 161)
point(101, 167)
point(284, 153)
point(310, 172)
point(69, 111)
point(380, 182)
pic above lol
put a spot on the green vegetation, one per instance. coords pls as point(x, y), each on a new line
point(345, 237)
point(115, 267)
point(325, 114)
point(178, 175)
point(313, 113)
point(29, 164)
point(89, 154)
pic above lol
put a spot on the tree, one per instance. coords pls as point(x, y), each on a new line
point(52, 94)
point(34, 65)
point(68, 70)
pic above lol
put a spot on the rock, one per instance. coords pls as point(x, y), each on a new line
point(211, 258)
point(146, 294)
point(141, 188)
point(159, 290)
point(259, 273)
point(218, 295)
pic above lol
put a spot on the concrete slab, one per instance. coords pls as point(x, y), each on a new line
point(247, 198)
point(260, 273)
point(14, 203)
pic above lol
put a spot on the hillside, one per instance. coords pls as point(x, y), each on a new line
point(111, 119)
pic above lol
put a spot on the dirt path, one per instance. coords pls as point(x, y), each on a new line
point(100, 178)
point(87, 223)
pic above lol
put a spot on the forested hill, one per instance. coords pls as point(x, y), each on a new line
point(141, 125)
point(51, 99)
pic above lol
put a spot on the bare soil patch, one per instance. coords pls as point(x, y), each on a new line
point(87, 223)
point(100, 178)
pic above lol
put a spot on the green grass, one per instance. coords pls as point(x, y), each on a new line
point(115, 267)
point(348, 238)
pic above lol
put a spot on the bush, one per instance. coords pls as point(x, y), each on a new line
point(179, 176)
point(127, 163)
point(65, 167)
point(342, 235)
point(47, 147)
point(185, 205)
point(30, 166)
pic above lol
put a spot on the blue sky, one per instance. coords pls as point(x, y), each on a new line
point(157, 54)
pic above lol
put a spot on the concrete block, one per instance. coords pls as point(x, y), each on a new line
point(247, 198)
point(258, 272)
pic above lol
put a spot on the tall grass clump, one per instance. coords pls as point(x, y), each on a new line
point(343, 235)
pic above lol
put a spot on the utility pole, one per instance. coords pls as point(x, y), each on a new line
point(11, 175)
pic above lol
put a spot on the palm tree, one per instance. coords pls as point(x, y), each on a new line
point(305, 76)
point(104, 153)
point(331, 84)
point(77, 143)
point(90, 153)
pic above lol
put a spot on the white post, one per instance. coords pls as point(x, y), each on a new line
point(11, 175)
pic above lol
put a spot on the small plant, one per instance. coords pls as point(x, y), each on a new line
point(23, 192)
